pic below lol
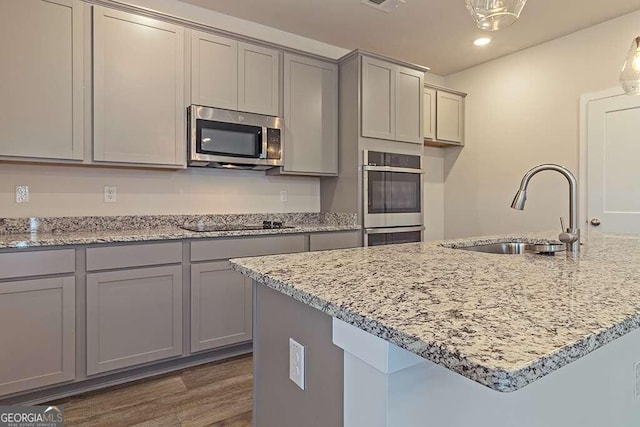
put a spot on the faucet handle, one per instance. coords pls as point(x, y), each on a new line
point(566, 237)
point(562, 225)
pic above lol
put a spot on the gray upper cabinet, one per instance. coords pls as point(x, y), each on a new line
point(429, 120)
point(133, 317)
point(408, 115)
point(214, 71)
point(41, 79)
point(450, 117)
point(221, 306)
point(443, 116)
point(233, 75)
point(310, 116)
point(391, 101)
point(138, 78)
point(37, 333)
point(258, 80)
point(378, 99)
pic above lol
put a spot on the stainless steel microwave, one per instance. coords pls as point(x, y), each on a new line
point(234, 140)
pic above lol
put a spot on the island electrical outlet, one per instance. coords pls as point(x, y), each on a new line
point(296, 363)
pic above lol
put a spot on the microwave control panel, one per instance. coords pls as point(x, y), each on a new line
point(274, 149)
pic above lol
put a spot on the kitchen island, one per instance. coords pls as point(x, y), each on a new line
point(434, 335)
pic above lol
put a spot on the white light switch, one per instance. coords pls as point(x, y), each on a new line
point(296, 363)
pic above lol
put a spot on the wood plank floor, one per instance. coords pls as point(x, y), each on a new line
point(217, 394)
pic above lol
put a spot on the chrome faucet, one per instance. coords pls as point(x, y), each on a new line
point(570, 236)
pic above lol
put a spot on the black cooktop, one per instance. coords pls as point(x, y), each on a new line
point(266, 225)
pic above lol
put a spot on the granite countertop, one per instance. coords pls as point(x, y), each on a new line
point(503, 321)
point(22, 233)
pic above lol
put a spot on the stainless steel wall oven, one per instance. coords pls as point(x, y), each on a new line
point(393, 201)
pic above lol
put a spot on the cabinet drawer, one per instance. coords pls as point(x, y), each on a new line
point(36, 263)
point(241, 247)
point(133, 256)
point(328, 241)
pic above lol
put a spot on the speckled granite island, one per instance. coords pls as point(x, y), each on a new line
point(434, 335)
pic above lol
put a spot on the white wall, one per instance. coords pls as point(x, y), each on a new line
point(61, 190)
point(522, 110)
point(72, 191)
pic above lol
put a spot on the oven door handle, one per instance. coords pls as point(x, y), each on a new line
point(393, 230)
point(392, 169)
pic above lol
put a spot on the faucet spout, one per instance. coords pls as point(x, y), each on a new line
point(570, 236)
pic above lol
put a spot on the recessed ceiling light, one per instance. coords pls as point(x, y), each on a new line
point(482, 41)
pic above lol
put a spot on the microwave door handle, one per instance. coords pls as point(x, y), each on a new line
point(263, 153)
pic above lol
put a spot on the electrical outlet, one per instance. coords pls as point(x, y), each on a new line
point(284, 196)
point(110, 195)
point(296, 363)
point(22, 194)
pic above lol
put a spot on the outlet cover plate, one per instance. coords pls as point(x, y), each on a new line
point(110, 194)
point(296, 363)
point(284, 196)
point(22, 194)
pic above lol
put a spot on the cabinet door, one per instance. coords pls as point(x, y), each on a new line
point(450, 117)
point(258, 80)
point(37, 332)
point(378, 99)
point(133, 317)
point(408, 102)
point(214, 71)
point(138, 71)
point(429, 116)
point(310, 116)
point(221, 306)
point(41, 79)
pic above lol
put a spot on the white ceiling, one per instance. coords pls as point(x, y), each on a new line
point(435, 33)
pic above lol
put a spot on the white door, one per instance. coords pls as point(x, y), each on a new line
point(613, 155)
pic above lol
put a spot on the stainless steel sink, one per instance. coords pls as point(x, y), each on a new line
point(517, 248)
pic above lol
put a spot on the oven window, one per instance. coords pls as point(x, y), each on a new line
point(394, 192)
point(393, 238)
point(228, 139)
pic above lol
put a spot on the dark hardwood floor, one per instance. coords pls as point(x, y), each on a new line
point(216, 394)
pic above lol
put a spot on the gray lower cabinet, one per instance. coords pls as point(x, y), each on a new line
point(133, 317)
point(37, 337)
point(339, 240)
point(221, 306)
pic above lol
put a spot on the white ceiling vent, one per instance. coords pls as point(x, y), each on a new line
point(384, 5)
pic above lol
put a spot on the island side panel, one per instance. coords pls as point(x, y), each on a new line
point(277, 400)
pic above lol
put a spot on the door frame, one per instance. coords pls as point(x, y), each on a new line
point(583, 193)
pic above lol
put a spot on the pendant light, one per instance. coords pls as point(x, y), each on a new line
point(630, 75)
point(493, 15)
